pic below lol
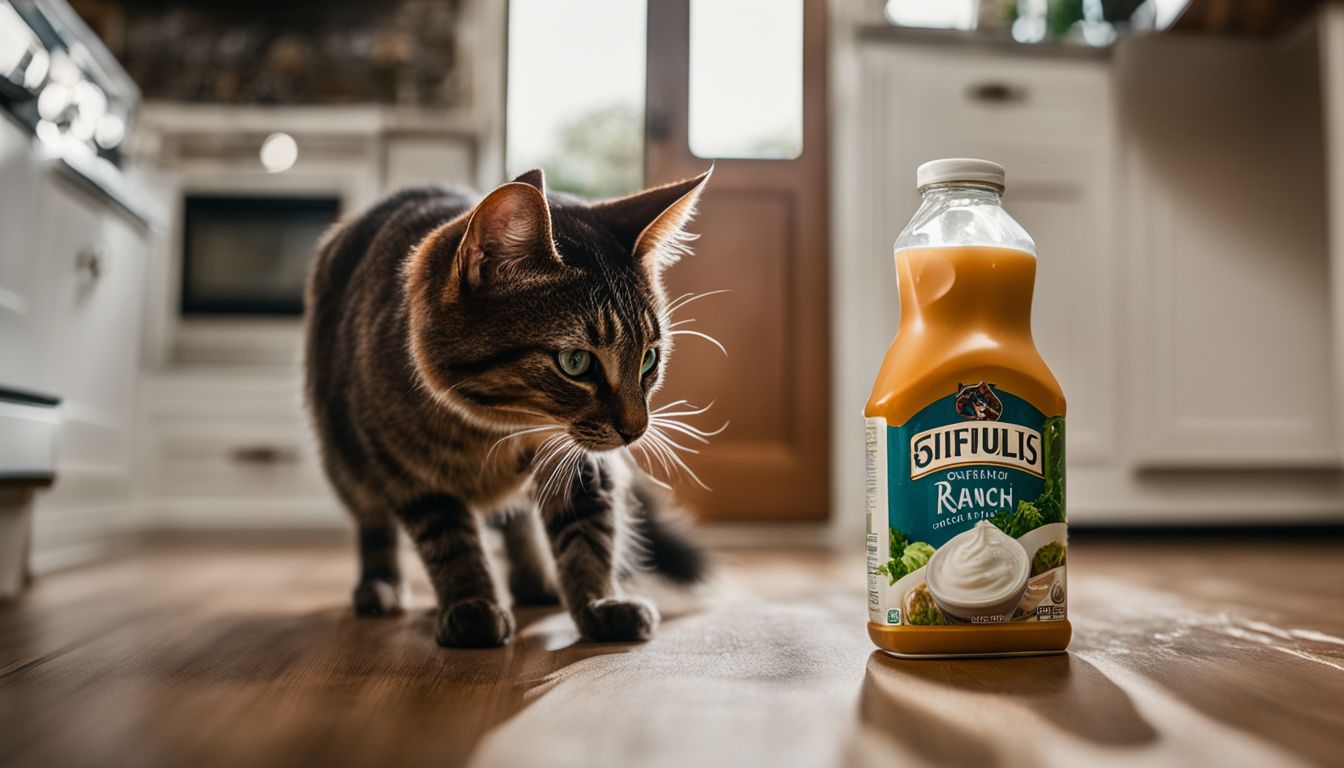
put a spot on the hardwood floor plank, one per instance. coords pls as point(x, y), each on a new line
point(232, 655)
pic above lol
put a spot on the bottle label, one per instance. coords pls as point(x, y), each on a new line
point(966, 519)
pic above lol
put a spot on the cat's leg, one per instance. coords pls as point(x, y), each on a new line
point(582, 524)
point(447, 536)
point(380, 591)
point(530, 578)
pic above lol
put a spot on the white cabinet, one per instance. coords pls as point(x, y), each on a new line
point(23, 304)
point(88, 269)
point(227, 446)
point(94, 260)
point(1227, 254)
point(1184, 292)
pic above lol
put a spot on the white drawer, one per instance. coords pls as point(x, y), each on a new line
point(228, 434)
point(236, 461)
point(973, 94)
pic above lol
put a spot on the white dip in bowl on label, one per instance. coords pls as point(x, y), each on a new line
point(978, 575)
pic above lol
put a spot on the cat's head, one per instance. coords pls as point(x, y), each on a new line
point(535, 309)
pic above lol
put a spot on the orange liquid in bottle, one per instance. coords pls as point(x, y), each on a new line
point(965, 318)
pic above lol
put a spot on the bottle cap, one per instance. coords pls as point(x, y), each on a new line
point(960, 169)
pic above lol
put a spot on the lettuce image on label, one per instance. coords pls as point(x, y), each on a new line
point(920, 609)
point(1049, 506)
point(1047, 557)
point(906, 557)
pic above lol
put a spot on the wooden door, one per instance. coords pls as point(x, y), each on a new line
point(763, 238)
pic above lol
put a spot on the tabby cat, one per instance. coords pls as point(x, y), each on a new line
point(491, 363)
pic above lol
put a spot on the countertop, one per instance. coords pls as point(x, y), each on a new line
point(998, 42)
point(1187, 651)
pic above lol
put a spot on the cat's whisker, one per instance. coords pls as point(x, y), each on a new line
point(665, 446)
point(686, 429)
point(576, 464)
point(666, 438)
point(570, 471)
point(532, 430)
point(690, 429)
point(657, 482)
point(567, 461)
point(550, 450)
point(651, 448)
point(687, 321)
point(548, 444)
point(694, 433)
point(687, 298)
point(673, 304)
point(645, 460)
point(650, 451)
point(694, 429)
point(548, 459)
point(705, 336)
point(662, 412)
point(554, 459)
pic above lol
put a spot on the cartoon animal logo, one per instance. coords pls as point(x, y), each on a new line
point(978, 402)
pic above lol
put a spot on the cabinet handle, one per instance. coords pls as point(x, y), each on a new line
point(264, 455)
point(996, 93)
point(90, 261)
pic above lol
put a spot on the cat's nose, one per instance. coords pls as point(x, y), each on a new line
point(630, 435)
point(631, 426)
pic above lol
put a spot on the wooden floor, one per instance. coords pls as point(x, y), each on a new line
point(1212, 653)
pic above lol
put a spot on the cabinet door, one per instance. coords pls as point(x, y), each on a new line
point(94, 260)
point(22, 305)
point(1228, 257)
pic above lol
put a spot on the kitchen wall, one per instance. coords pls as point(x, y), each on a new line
point(1183, 191)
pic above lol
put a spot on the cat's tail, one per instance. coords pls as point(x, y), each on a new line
point(669, 547)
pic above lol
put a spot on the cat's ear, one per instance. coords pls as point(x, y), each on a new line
point(652, 223)
point(507, 233)
point(535, 178)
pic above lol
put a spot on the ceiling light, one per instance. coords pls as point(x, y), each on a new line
point(279, 152)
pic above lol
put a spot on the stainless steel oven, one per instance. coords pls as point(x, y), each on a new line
point(248, 255)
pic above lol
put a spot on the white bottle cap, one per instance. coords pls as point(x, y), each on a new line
point(960, 169)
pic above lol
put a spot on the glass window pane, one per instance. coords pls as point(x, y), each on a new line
point(576, 93)
point(746, 86)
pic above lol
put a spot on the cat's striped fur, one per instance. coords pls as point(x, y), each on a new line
point(434, 324)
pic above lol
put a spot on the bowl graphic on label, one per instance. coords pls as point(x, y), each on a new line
point(979, 575)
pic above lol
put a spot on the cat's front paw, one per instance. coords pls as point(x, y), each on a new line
point(379, 597)
point(617, 620)
point(475, 623)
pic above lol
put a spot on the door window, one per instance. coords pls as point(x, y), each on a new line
point(746, 79)
point(576, 93)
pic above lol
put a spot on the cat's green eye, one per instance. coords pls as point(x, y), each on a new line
point(575, 362)
point(650, 358)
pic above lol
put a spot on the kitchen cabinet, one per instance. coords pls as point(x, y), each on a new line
point(231, 446)
point(22, 305)
point(72, 285)
point(1184, 287)
point(1227, 254)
